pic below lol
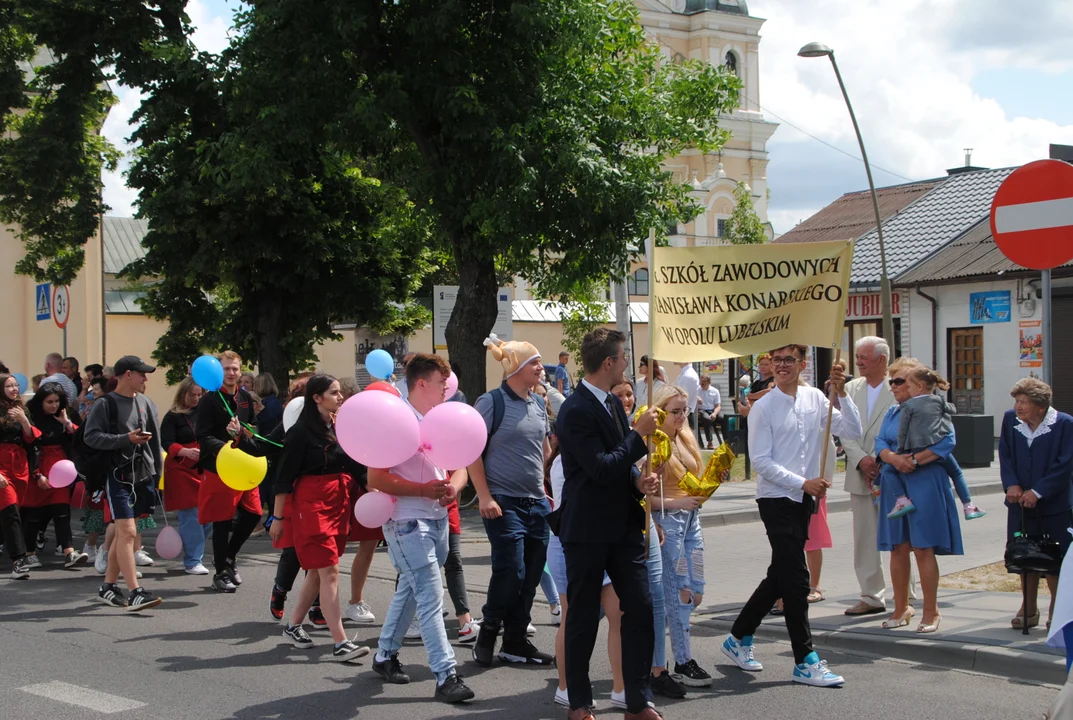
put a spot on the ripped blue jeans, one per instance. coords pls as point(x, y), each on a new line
point(683, 569)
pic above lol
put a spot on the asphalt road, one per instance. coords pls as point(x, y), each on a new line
point(206, 655)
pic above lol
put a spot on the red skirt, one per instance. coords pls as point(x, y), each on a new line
point(320, 519)
point(14, 467)
point(359, 532)
point(217, 503)
point(182, 481)
point(38, 497)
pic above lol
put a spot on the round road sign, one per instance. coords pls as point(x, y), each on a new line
point(61, 305)
point(1032, 215)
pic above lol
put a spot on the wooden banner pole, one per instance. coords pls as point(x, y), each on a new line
point(652, 370)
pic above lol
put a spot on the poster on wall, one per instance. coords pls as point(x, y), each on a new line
point(366, 341)
point(1031, 345)
point(989, 307)
point(714, 367)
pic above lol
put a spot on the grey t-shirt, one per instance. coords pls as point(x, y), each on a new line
point(924, 421)
point(134, 412)
point(514, 459)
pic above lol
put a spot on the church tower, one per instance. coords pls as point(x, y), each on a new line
point(720, 32)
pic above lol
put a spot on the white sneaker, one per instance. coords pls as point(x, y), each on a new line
point(618, 700)
point(32, 561)
point(90, 551)
point(562, 697)
point(100, 563)
point(198, 569)
point(360, 612)
point(815, 673)
point(142, 559)
point(741, 654)
point(530, 631)
point(468, 632)
point(556, 614)
point(414, 631)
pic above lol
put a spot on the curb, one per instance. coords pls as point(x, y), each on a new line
point(1009, 663)
point(737, 517)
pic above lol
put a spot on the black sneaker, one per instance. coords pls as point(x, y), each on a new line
point(316, 616)
point(453, 690)
point(20, 569)
point(348, 650)
point(523, 651)
point(298, 636)
point(142, 600)
point(111, 595)
point(279, 600)
point(692, 675)
point(391, 670)
point(484, 649)
point(41, 540)
point(222, 582)
point(665, 685)
point(235, 577)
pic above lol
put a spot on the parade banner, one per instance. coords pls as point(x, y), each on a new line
point(727, 301)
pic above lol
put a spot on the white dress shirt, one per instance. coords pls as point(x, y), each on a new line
point(785, 438)
point(689, 381)
point(601, 395)
point(709, 398)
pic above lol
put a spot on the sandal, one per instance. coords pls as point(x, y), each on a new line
point(925, 629)
point(1018, 622)
point(777, 609)
point(891, 622)
point(816, 595)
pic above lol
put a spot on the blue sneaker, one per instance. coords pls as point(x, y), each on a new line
point(814, 672)
point(741, 653)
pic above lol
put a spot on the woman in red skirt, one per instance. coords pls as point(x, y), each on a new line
point(18, 462)
point(42, 503)
point(178, 437)
point(315, 474)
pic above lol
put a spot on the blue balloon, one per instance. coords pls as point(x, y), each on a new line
point(23, 382)
point(380, 364)
point(208, 373)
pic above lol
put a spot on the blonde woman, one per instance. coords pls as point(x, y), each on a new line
point(683, 546)
point(178, 438)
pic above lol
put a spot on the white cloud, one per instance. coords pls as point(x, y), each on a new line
point(909, 68)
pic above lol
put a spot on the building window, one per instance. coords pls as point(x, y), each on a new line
point(721, 227)
point(731, 63)
point(637, 284)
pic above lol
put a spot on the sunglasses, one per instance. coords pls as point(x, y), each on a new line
point(897, 382)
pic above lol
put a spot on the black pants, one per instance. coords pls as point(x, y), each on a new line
point(35, 520)
point(11, 527)
point(287, 569)
point(624, 562)
point(786, 523)
point(456, 578)
point(708, 422)
point(229, 536)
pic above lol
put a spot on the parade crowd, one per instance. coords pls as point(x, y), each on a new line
point(568, 497)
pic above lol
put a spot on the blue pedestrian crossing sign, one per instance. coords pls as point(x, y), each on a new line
point(44, 309)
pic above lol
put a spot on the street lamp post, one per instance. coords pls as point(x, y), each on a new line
point(815, 49)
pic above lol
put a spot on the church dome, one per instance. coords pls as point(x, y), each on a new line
point(735, 7)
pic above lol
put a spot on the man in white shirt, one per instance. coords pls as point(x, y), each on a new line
point(401, 384)
point(711, 404)
point(689, 381)
point(55, 374)
point(416, 538)
point(785, 442)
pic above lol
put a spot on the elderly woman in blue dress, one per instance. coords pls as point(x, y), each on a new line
point(933, 528)
point(1036, 460)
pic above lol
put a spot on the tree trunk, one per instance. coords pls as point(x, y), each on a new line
point(471, 321)
point(270, 355)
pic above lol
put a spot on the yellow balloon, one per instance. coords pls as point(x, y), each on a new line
point(238, 470)
point(163, 459)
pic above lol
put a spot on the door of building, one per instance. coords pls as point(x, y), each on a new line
point(1062, 352)
point(965, 349)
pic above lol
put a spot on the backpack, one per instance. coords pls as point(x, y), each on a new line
point(93, 464)
point(499, 409)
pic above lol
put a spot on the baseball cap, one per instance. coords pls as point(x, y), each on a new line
point(133, 363)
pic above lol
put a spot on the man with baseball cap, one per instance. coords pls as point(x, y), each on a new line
point(124, 425)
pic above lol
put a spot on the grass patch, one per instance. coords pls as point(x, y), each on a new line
point(991, 578)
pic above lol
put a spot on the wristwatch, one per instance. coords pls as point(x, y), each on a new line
point(913, 459)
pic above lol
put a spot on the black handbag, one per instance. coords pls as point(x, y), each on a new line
point(1027, 554)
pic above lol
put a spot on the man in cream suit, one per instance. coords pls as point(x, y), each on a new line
point(870, 393)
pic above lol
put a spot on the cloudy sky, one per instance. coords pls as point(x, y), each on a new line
point(927, 79)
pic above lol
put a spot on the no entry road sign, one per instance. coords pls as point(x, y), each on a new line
point(1032, 215)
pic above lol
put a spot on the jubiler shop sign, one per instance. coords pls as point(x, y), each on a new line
point(861, 307)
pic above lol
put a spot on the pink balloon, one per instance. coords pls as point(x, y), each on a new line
point(453, 435)
point(378, 429)
point(168, 543)
point(62, 474)
point(452, 385)
point(373, 509)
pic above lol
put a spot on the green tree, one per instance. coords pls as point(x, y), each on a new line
point(582, 310)
point(743, 227)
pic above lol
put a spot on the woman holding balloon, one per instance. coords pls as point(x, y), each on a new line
point(316, 474)
point(18, 463)
point(178, 437)
point(49, 497)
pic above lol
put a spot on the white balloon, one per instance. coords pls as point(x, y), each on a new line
point(292, 411)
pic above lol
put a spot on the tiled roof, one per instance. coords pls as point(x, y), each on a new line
point(972, 255)
point(948, 210)
point(851, 215)
point(122, 242)
point(542, 311)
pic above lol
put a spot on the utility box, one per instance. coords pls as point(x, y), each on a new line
point(975, 440)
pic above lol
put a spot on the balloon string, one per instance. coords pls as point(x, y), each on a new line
point(249, 427)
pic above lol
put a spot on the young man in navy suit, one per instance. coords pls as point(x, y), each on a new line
point(602, 524)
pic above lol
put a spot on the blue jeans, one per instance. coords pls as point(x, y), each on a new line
point(519, 540)
point(193, 535)
point(418, 549)
point(659, 607)
point(547, 584)
point(683, 569)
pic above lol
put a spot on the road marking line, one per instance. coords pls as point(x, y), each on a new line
point(82, 697)
point(1042, 215)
